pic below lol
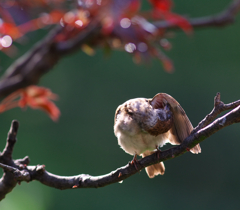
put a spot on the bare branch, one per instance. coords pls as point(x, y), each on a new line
point(11, 140)
point(73, 44)
point(19, 175)
point(17, 172)
point(8, 181)
point(219, 107)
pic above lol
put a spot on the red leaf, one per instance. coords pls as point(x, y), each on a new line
point(162, 5)
point(179, 21)
point(134, 6)
point(34, 97)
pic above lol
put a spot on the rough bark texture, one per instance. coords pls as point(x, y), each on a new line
point(16, 171)
point(29, 68)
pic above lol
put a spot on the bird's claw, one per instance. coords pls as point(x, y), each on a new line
point(134, 162)
point(158, 152)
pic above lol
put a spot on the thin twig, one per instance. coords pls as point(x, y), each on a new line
point(219, 107)
point(11, 140)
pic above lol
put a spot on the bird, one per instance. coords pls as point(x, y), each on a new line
point(143, 125)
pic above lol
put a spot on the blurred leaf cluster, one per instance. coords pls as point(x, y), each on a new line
point(91, 88)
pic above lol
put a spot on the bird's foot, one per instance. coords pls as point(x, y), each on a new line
point(134, 162)
point(158, 152)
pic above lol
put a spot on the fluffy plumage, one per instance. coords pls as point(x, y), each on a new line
point(142, 125)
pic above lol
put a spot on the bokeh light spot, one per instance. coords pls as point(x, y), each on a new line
point(79, 23)
point(61, 22)
point(125, 23)
point(130, 47)
point(6, 41)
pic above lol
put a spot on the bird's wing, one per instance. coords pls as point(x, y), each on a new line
point(182, 127)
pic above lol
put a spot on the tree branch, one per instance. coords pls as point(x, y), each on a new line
point(224, 18)
point(15, 172)
point(29, 68)
point(219, 107)
point(8, 181)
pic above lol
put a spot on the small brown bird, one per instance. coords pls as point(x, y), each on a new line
point(143, 125)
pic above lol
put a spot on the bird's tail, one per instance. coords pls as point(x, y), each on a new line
point(155, 169)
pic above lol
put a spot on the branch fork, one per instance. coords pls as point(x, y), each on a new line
point(17, 171)
point(28, 70)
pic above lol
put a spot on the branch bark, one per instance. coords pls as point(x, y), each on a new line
point(16, 171)
point(29, 68)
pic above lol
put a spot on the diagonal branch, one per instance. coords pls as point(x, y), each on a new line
point(29, 68)
point(17, 172)
point(224, 18)
point(219, 107)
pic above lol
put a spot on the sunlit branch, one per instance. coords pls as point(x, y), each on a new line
point(29, 68)
point(15, 172)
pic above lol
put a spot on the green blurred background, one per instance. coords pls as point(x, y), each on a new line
point(82, 141)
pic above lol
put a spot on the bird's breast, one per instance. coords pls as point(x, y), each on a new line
point(133, 139)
